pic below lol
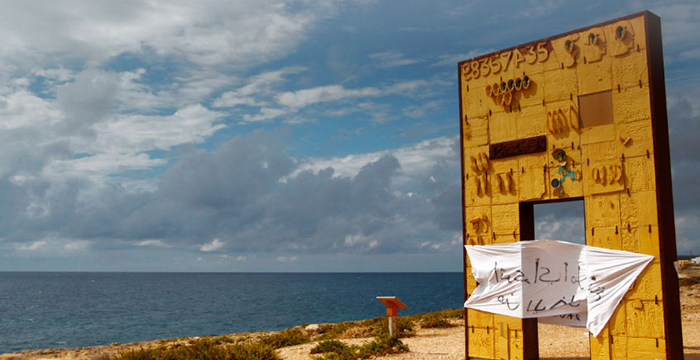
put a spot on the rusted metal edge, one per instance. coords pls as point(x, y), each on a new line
point(531, 347)
point(464, 211)
point(664, 194)
point(550, 38)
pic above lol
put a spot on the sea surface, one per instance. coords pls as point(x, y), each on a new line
point(41, 310)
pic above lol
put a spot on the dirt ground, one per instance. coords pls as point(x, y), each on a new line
point(556, 342)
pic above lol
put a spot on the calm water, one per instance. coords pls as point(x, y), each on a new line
point(45, 310)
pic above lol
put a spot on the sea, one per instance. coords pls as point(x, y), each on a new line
point(40, 310)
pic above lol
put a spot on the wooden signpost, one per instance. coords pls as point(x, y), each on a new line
point(392, 310)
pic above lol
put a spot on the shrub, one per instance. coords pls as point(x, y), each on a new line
point(367, 328)
point(404, 327)
point(225, 339)
point(289, 337)
point(380, 346)
point(204, 349)
point(101, 357)
point(452, 313)
point(687, 281)
point(141, 354)
point(434, 320)
point(333, 331)
point(334, 346)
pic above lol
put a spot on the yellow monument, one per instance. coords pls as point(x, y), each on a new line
point(577, 116)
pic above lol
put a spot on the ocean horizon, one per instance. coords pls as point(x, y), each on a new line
point(40, 310)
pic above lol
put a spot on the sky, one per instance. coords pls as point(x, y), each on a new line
point(265, 135)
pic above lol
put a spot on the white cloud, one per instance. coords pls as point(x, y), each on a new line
point(286, 258)
point(680, 19)
point(408, 88)
point(99, 165)
point(423, 110)
point(564, 229)
point(152, 242)
point(265, 114)
point(298, 120)
point(59, 74)
point(375, 112)
point(540, 8)
point(457, 239)
point(76, 245)
point(216, 244)
point(416, 160)
point(258, 86)
point(352, 240)
point(32, 246)
point(135, 133)
point(22, 109)
point(453, 60)
point(306, 97)
point(379, 113)
point(204, 31)
point(391, 59)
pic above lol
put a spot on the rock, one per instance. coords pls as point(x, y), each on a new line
point(312, 329)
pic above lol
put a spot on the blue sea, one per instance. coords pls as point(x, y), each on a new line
point(46, 310)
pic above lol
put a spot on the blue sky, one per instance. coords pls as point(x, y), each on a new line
point(270, 135)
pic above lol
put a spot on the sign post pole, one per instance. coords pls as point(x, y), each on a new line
point(392, 310)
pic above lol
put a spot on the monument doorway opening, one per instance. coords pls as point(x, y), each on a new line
point(564, 221)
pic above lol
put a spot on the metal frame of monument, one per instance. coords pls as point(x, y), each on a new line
point(618, 163)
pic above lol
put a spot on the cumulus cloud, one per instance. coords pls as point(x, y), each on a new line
point(23, 109)
point(417, 160)
point(214, 245)
point(32, 246)
point(136, 133)
point(306, 97)
point(252, 30)
point(294, 102)
point(88, 99)
point(237, 193)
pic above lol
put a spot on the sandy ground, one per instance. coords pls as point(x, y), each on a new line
point(556, 342)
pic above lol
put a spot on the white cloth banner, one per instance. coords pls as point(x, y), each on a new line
point(556, 281)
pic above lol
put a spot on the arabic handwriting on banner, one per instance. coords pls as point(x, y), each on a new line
point(545, 274)
point(557, 281)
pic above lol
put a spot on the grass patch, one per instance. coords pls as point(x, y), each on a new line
point(225, 339)
point(405, 325)
point(330, 346)
point(434, 321)
point(380, 346)
point(687, 281)
point(378, 326)
point(289, 337)
point(220, 348)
